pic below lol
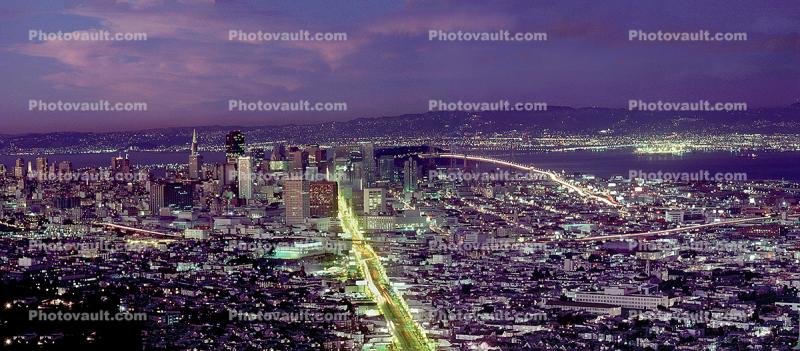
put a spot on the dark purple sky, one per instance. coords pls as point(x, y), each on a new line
point(187, 69)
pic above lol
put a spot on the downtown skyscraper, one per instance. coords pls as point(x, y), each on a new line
point(370, 168)
point(323, 198)
point(195, 159)
point(297, 200)
point(410, 175)
point(234, 145)
point(245, 177)
point(19, 168)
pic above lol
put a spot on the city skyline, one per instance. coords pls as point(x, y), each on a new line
point(399, 175)
point(389, 227)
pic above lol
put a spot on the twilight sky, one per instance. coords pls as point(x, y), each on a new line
point(187, 70)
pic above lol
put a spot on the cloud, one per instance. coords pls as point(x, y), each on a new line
point(422, 23)
point(387, 61)
point(187, 58)
point(171, 75)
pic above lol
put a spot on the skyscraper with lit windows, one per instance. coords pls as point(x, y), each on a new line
point(234, 145)
point(297, 201)
point(323, 200)
point(245, 178)
point(195, 159)
point(19, 168)
point(370, 168)
point(410, 176)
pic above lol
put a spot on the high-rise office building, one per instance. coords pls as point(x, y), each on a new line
point(277, 159)
point(374, 200)
point(172, 195)
point(258, 155)
point(156, 197)
point(245, 177)
point(41, 167)
point(370, 170)
point(299, 160)
point(297, 201)
point(120, 165)
point(226, 174)
point(321, 159)
point(323, 199)
point(341, 167)
point(386, 168)
point(278, 153)
point(195, 160)
point(312, 173)
point(234, 145)
point(19, 169)
point(410, 175)
point(316, 165)
point(179, 195)
point(312, 151)
point(357, 175)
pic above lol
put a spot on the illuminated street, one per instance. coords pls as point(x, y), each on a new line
point(407, 333)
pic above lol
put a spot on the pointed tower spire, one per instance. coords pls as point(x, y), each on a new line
point(194, 142)
point(195, 159)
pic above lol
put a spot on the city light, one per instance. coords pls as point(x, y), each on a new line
point(418, 176)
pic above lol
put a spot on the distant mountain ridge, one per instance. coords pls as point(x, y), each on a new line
point(556, 120)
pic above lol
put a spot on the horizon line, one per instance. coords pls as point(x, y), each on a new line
point(12, 134)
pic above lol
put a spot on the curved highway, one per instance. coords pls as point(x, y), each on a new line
point(551, 175)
